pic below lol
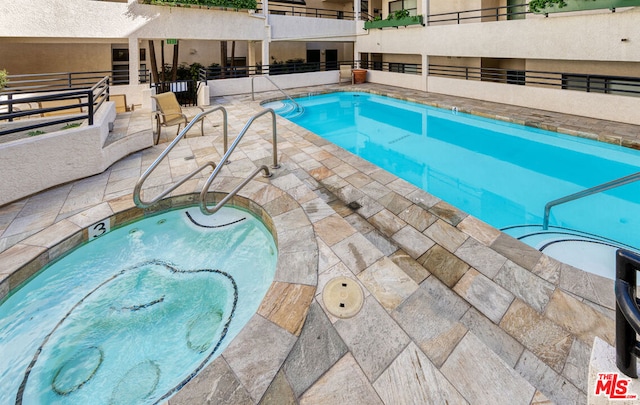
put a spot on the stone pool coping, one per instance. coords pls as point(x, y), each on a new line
point(409, 250)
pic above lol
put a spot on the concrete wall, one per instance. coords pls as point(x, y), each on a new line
point(601, 106)
point(409, 81)
point(83, 19)
point(33, 57)
point(586, 37)
point(581, 37)
point(243, 85)
point(37, 163)
point(306, 28)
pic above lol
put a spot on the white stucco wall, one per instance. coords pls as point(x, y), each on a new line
point(37, 163)
point(86, 19)
point(260, 84)
point(308, 29)
point(596, 105)
point(573, 37)
point(407, 81)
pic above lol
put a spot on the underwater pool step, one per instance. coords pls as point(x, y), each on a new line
point(583, 250)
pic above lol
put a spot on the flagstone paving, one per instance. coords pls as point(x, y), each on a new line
point(454, 311)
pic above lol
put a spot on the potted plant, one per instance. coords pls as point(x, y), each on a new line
point(395, 19)
point(359, 76)
point(558, 6)
point(3, 79)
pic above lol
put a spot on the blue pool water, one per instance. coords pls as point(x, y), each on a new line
point(499, 172)
point(133, 315)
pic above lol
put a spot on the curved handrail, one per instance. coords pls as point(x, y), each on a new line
point(137, 199)
point(298, 107)
point(205, 189)
point(584, 193)
point(627, 312)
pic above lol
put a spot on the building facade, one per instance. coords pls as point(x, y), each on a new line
point(492, 50)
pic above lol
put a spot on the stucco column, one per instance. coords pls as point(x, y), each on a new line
point(134, 61)
point(425, 8)
point(265, 54)
point(356, 9)
point(425, 72)
point(265, 11)
point(251, 53)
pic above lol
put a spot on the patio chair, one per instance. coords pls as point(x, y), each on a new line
point(121, 103)
point(60, 103)
point(345, 74)
point(170, 113)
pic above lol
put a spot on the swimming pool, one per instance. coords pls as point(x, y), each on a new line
point(499, 172)
point(135, 314)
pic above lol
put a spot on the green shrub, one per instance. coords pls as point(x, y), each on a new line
point(537, 5)
point(235, 4)
point(3, 79)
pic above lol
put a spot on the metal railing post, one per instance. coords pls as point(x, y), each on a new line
point(10, 108)
point(90, 106)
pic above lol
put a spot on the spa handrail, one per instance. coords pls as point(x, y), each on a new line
point(137, 199)
point(585, 193)
point(298, 107)
point(205, 189)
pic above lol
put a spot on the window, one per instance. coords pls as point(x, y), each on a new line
point(409, 5)
point(403, 67)
point(516, 77)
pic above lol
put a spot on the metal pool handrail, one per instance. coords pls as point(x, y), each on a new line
point(298, 107)
point(584, 193)
point(205, 189)
point(627, 312)
point(137, 199)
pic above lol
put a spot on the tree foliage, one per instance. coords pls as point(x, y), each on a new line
point(537, 5)
point(234, 4)
point(3, 78)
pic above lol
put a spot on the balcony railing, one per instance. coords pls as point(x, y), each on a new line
point(511, 12)
point(79, 99)
point(621, 85)
point(280, 68)
point(302, 11)
point(396, 67)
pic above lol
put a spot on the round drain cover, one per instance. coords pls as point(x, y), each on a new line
point(342, 297)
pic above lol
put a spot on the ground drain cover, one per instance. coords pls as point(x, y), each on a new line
point(354, 205)
point(343, 297)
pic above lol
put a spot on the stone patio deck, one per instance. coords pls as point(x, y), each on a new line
point(454, 310)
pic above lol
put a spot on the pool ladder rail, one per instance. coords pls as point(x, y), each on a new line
point(585, 193)
point(137, 198)
point(299, 108)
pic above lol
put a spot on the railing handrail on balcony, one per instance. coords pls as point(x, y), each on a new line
point(463, 15)
point(86, 99)
point(303, 11)
point(47, 82)
point(624, 85)
point(395, 67)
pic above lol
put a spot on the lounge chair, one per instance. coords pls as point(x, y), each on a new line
point(170, 113)
point(345, 74)
point(121, 102)
point(60, 103)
